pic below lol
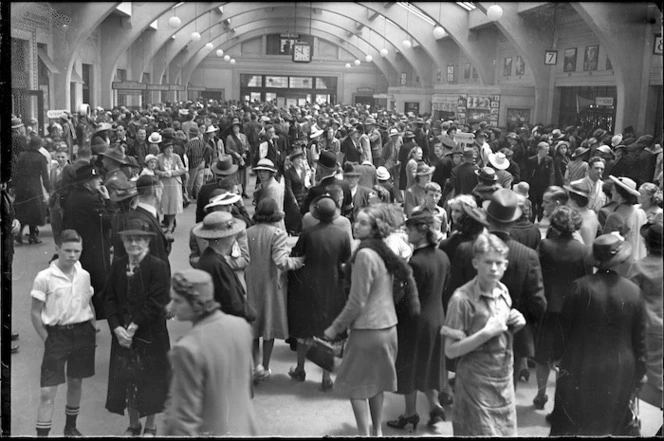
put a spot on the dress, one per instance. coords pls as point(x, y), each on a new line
point(484, 397)
point(420, 361)
point(316, 291)
point(275, 190)
point(138, 377)
point(171, 196)
point(603, 356)
point(31, 171)
point(627, 219)
point(267, 281)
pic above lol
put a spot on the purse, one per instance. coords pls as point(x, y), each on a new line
point(325, 354)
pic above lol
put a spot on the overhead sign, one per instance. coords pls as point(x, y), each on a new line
point(176, 87)
point(157, 87)
point(128, 85)
point(551, 57)
point(195, 88)
point(464, 139)
point(54, 114)
point(604, 101)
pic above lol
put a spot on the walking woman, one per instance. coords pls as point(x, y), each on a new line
point(266, 282)
point(368, 366)
point(136, 295)
point(420, 362)
point(170, 172)
point(29, 205)
point(237, 145)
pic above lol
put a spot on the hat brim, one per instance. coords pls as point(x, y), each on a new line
point(266, 168)
point(623, 186)
point(137, 233)
point(575, 191)
point(382, 177)
point(428, 172)
point(116, 198)
point(474, 214)
point(120, 161)
point(621, 256)
point(515, 217)
point(234, 168)
point(576, 155)
point(238, 226)
point(497, 166)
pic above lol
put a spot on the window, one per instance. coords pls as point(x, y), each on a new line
point(270, 96)
point(300, 82)
point(322, 99)
point(121, 75)
point(87, 86)
point(255, 96)
point(326, 83)
point(251, 80)
point(276, 82)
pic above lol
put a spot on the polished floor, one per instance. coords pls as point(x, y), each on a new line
point(283, 407)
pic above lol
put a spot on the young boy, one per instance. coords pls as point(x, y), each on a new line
point(63, 316)
point(478, 329)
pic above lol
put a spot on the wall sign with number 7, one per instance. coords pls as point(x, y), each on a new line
point(551, 57)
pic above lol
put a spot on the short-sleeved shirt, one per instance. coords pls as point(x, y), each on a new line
point(469, 310)
point(66, 301)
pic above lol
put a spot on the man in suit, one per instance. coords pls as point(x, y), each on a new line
point(541, 176)
point(327, 170)
point(463, 178)
point(523, 277)
point(421, 138)
point(350, 146)
point(223, 168)
point(360, 194)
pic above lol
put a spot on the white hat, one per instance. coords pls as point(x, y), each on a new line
point(211, 129)
point(616, 140)
point(149, 158)
point(626, 183)
point(183, 112)
point(155, 138)
point(382, 174)
point(316, 131)
point(499, 161)
point(223, 199)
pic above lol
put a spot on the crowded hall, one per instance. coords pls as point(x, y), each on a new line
point(286, 219)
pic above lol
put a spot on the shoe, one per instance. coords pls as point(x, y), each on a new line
point(261, 374)
point(14, 336)
point(292, 342)
point(326, 384)
point(402, 421)
point(524, 375)
point(72, 431)
point(445, 399)
point(436, 416)
point(150, 432)
point(34, 239)
point(540, 400)
point(14, 348)
point(133, 431)
point(297, 374)
point(548, 418)
point(19, 240)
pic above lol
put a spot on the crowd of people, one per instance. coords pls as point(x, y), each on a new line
point(445, 266)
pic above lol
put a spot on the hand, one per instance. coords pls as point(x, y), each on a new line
point(330, 333)
point(516, 319)
point(16, 226)
point(123, 337)
point(495, 326)
point(131, 329)
point(104, 192)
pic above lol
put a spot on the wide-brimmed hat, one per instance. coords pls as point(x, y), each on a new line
point(420, 219)
point(557, 134)
point(579, 152)
point(605, 149)
point(350, 169)
point(469, 153)
point(499, 161)
point(324, 208)
point(609, 250)
point(183, 112)
point(196, 286)
point(448, 142)
point(101, 127)
point(86, 172)
point(316, 131)
point(265, 164)
point(225, 198)
point(486, 174)
point(652, 234)
point(236, 122)
point(149, 157)
point(626, 184)
point(224, 165)
point(126, 191)
point(382, 174)
point(578, 187)
point(328, 159)
point(115, 153)
point(503, 206)
point(211, 129)
point(475, 213)
point(155, 138)
point(599, 133)
point(99, 148)
point(394, 131)
point(16, 123)
point(137, 227)
point(217, 225)
point(423, 169)
point(408, 134)
point(617, 139)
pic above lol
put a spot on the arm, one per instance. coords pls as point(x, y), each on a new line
point(280, 254)
point(195, 253)
point(614, 222)
point(44, 176)
point(533, 287)
point(186, 393)
point(35, 316)
point(158, 294)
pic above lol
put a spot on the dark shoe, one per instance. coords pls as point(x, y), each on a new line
point(292, 342)
point(402, 421)
point(326, 384)
point(297, 374)
point(445, 399)
point(34, 239)
point(548, 418)
point(14, 336)
point(150, 432)
point(133, 431)
point(19, 240)
point(540, 400)
point(524, 375)
point(72, 431)
point(436, 416)
point(14, 348)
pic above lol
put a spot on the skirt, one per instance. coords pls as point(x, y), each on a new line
point(368, 367)
point(549, 338)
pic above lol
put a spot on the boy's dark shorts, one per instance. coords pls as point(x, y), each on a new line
point(73, 345)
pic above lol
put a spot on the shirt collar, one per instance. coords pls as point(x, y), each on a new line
point(499, 291)
point(147, 207)
point(58, 272)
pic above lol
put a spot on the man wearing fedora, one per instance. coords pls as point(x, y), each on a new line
point(487, 184)
point(375, 140)
point(222, 169)
point(200, 157)
point(462, 178)
point(541, 176)
point(138, 148)
point(523, 277)
point(326, 175)
point(112, 160)
point(350, 146)
point(360, 193)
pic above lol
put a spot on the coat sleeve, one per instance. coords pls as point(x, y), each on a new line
point(185, 401)
point(158, 294)
point(364, 271)
point(195, 253)
point(241, 262)
point(552, 178)
point(280, 254)
point(533, 287)
point(111, 304)
point(614, 222)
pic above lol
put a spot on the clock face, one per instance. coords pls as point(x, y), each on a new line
point(301, 53)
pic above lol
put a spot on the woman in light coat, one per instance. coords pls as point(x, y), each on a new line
point(170, 170)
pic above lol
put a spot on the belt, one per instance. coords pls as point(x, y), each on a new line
point(72, 326)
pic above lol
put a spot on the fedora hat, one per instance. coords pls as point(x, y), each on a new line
point(217, 225)
point(609, 250)
point(382, 174)
point(350, 169)
point(486, 174)
point(423, 169)
point(211, 129)
point(149, 157)
point(599, 133)
point(469, 152)
point(448, 142)
point(265, 164)
point(115, 153)
point(408, 134)
point(394, 131)
point(557, 134)
point(499, 161)
point(155, 138)
point(456, 150)
point(195, 286)
point(503, 207)
point(626, 184)
point(126, 191)
point(193, 130)
point(224, 165)
point(316, 131)
point(652, 234)
point(226, 198)
point(183, 112)
point(580, 151)
point(616, 140)
point(605, 149)
point(475, 213)
point(102, 126)
point(86, 172)
point(420, 218)
point(578, 187)
point(592, 141)
point(137, 227)
point(324, 208)
point(328, 159)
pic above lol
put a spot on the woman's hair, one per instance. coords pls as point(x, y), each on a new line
point(462, 199)
point(627, 196)
point(526, 208)
point(595, 159)
point(432, 186)
point(581, 201)
point(565, 220)
point(412, 151)
point(70, 236)
point(381, 220)
point(607, 188)
point(558, 194)
point(469, 226)
point(653, 192)
point(382, 193)
point(267, 211)
point(561, 144)
point(430, 233)
point(486, 243)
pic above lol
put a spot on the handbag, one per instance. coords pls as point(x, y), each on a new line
point(325, 354)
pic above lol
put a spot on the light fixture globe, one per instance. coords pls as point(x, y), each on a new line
point(174, 22)
point(195, 36)
point(209, 46)
point(347, 65)
point(407, 44)
point(220, 52)
point(232, 61)
point(357, 62)
point(384, 52)
point(227, 57)
point(494, 12)
point(368, 58)
point(438, 32)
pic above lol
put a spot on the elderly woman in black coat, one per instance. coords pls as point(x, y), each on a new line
point(31, 172)
point(137, 292)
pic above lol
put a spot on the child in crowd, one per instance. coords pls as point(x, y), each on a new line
point(63, 316)
point(479, 329)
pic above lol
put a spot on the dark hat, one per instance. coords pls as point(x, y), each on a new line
point(469, 153)
point(419, 121)
point(579, 152)
point(328, 159)
point(120, 193)
point(195, 285)
point(486, 174)
point(224, 165)
point(449, 142)
point(481, 133)
point(137, 227)
point(503, 207)
point(652, 234)
point(35, 143)
point(645, 140)
point(475, 213)
point(236, 122)
point(350, 169)
point(577, 187)
point(420, 219)
point(115, 153)
point(457, 150)
point(296, 152)
point(99, 148)
point(193, 130)
point(512, 135)
point(168, 133)
point(609, 250)
point(408, 134)
point(599, 133)
point(423, 169)
point(557, 134)
point(324, 208)
point(86, 172)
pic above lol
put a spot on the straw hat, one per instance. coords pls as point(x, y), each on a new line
point(223, 199)
point(499, 161)
point(155, 138)
point(217, 225)
point(265, 164)
point(626, 183)
point(424, 170)
point(382, 174)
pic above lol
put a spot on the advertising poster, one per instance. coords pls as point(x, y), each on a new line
point(483, 108)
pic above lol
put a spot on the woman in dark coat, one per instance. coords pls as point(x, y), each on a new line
point(316, 292)
point(560, 161)
point(562, 260)
point(604, 354)
point(29, 205)
point(138, 290)
point(420, 360)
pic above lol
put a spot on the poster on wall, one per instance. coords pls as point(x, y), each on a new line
point(482, 108)
point(286, 46)
point(570, 60)
point(507, 67)
point(446, 106)
point(466, 71)
point(450, 74)
point(403, 78)
point(590, 57)
point(517, 117)
point(520, 66)
point(412, 106)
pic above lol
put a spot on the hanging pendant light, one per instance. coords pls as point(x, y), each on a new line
point(227, 57)
point(220, 52)
point(357, 62)
point(174, 22)
point(232, 61)
point(384, 52)
point(209, 46)
point(195, 36)
point(347, 65)
point(407, 44)
point(439, 32)
point(368, 58)
point(494, 12)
